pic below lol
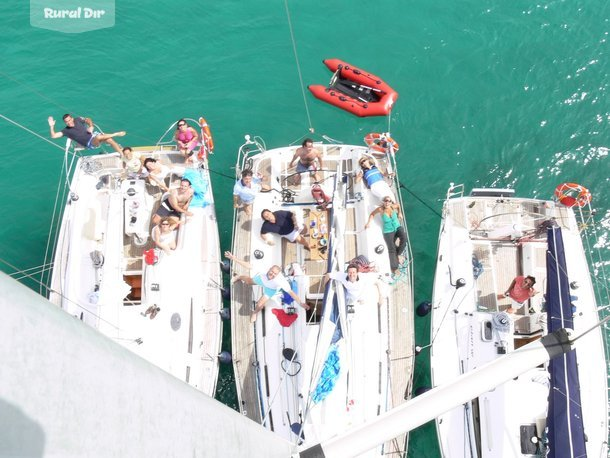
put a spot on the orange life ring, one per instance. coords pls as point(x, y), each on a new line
point(381, 142)
point(570, 194)
point(207, 142)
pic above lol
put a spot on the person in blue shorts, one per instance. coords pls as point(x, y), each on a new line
point(81, 131)
point(309, 160)
point(272, 282)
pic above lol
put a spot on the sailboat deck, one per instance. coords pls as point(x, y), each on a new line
point(376, 348)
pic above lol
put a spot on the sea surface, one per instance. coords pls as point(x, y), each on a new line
point(492, 93)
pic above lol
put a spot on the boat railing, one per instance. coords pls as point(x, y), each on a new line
point(253, 146)
point(167, 138)
point(455, 190)
point(63, 193)
point(409, 253)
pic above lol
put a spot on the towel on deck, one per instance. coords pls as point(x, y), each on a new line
point(201, 187)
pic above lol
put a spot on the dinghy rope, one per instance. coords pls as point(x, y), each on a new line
point(296, 58)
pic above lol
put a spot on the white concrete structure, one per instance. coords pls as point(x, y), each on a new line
point(68, 391)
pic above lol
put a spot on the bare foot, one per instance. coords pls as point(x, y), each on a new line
point(253, 317)
point(119, 134)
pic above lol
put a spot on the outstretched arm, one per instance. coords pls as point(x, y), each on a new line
point(510, 288)
point(298, 300)
point(371, 216)
point(232, 257)
point(52, 128)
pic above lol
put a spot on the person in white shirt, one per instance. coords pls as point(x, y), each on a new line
point(356, 285)
point(245, 190)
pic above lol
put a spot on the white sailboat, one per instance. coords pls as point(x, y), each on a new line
point(162, 305)
point(486, 240)
point(309, 375)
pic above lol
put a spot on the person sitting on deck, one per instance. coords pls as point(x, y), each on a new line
point(186, 138)
point(307, 157)
point(519, 291)
point(374, 179)
point(272, 282)
point(164, 234)
point(283, 223)
point(81, 131)
point(245, 190)
point(177, 203)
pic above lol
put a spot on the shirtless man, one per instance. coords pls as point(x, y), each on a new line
point(307, 156)
point(177, 203)
point(81, 131)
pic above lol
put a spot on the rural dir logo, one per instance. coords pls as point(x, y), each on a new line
point(72, 16)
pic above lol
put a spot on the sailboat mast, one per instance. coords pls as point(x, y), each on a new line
point(431, 404)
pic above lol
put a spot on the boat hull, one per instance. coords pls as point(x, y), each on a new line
point(102, 277)
point(371, 353)
point(486, 241)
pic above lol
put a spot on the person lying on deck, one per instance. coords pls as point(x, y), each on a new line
point(81, 131)
point(272, 282)
point(283, 223)
point(374, 179)
point(519, 291)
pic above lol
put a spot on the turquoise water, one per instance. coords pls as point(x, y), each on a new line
point(491, 93)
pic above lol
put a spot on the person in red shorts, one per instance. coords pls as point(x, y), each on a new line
point(520, 290)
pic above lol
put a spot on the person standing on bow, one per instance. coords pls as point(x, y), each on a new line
point(272, 282)
point(245, 190)
point(309, 160)
point(393, 230)
point(81, 130)
point(186, 138)
point(519, 291)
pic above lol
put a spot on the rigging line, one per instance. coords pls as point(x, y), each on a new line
point(422, 201)
point(50, 290)
point(592, 328)
point(296, 58)
point(43, 266)
point(32, 272)
point(31, 131)
point(42, 96)
point(221, 174)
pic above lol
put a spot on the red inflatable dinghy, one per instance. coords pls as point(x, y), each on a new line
point(355, 90)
